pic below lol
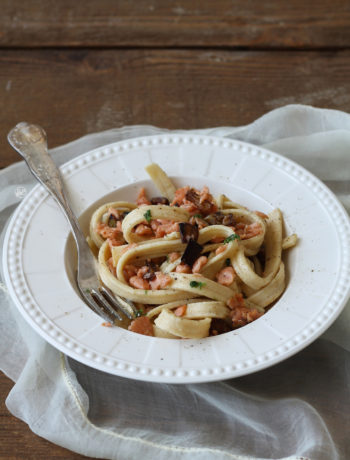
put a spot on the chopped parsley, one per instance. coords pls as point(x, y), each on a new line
point(197, 215)
point(232, 237)
point(228, 262)
point(139, 313)
point(112, 221)
point(147, 215)
point(197, 284)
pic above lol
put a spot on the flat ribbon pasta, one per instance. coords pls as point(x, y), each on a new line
point(138, 216)
point(237, 271)
point(122, 206)
point(182, 327)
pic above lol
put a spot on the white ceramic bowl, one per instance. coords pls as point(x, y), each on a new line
point(39, 258)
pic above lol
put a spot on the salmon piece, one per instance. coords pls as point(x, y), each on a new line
point(194, 201)
point(129, 271)
point(253, 229)
point(142, 271)
point(165, 279)
point(180, 195)
point(190, 207)
point(236, 301)
point(253, 314)
point(155, 284)
point(246, 231)
point(142, 325)
point(162, 227)
point(165, 229)
point(183, 268)
point(261, 214)
point(107, 232)
point(142, 198)
point(143, 230)
point(205, 195)
point(242, 316)
point(220, 249)
point(160, 281)
point(138, 283)
point(173, 256)
point(154, 224)
point(181, 310)
point(199, 264)
point(226, 276)
point(111, 266)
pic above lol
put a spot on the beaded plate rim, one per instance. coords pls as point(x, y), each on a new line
point(15, 280)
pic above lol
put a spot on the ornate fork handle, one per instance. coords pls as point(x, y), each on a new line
point(31, 143)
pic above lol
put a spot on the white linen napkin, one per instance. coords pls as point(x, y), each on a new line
point(296, 409)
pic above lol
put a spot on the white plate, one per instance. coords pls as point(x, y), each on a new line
point(39, 263)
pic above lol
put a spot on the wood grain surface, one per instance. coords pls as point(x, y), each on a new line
point(18, 442)
point(181, 23)
point(77, 67)
point(74, 92)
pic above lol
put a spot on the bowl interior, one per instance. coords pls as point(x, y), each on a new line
point(130, 192)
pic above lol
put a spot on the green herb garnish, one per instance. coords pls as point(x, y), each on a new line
point(112, 221)
point(146, 292)
point(228, 262)
point(139, 313)
point(147, 215)
point(197, 215)
point(197, 284)
point(232, 237)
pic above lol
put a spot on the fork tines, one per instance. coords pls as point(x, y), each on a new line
point(109, 306)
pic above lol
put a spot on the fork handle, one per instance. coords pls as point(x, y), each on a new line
point(31, 143)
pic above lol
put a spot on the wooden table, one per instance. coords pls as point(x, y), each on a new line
point(86, 66)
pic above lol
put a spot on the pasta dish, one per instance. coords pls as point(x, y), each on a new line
point(194, 265)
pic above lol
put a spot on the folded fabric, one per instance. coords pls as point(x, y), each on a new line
point(296, 409)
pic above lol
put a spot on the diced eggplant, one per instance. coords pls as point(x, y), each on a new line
point(192, 252)
point(218, 218)
point(188, 232)
point(160, 200)
point(152, 268)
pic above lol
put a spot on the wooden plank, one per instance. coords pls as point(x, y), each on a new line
point(75, 92)
point(17, 441)
point(182, 23)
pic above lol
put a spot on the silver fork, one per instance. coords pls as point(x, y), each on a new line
point(31, 143)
